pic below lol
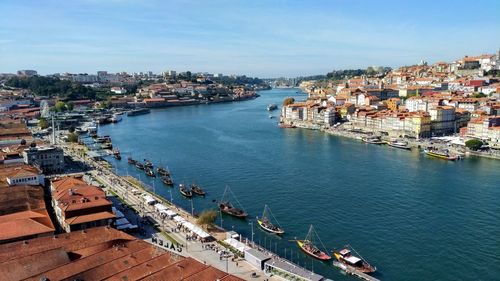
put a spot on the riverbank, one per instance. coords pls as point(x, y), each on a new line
point(413, 143)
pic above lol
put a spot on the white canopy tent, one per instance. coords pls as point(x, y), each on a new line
point(237, 244)
point(149, 200)
point(160, 207)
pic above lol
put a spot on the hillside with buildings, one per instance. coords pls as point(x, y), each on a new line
point(459, 98)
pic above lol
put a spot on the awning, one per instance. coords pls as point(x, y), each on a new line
point(149, 200)
point(237, 244)
point(352, 259)
point(160, 207)
point(188, 225)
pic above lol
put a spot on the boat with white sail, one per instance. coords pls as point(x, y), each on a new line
point(266, 224)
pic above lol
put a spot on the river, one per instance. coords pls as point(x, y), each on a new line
point(414, 217)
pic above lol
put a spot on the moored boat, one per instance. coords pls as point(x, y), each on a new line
point(345, 257)
point(399, 144)
point(139, 111)
point(139, 166)
point(184, 191)
point(196, 189)
point(162, 171)
point(372, 140)
point(227, 208)
point(266, 224)
point(116, 154)
point(107, 145)
point(309, 248)
point(167, 181)
point(148, 163)
point(116, 118)
point(441, 154)
point(131, 161)
point(149, 172)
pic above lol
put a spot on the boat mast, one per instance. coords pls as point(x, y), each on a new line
point(317, 236)
point(264, 212)
point(272, 215)
point(234, 196)
point(224, 194)
point(349, 246)
point(309, 233)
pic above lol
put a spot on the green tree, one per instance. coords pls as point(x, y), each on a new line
point(43, 123)
point(370, 71)
point(207, 218)
point(479, 95)
point(288, 101)
point(52, 86)
point(60, 106)
point(70, 106)
point(72, 137)
point(474, 144)
point(106, 104)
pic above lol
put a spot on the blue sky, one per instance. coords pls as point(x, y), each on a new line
point(257, 38)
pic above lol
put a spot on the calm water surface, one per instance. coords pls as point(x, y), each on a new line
point(414, 217)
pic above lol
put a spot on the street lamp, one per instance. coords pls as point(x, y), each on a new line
point(192, 207)
point(251, 223)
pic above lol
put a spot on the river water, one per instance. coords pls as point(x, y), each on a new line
point(414, 217)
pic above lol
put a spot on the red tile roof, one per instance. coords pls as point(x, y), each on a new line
point(90, 217)
point(99, 253)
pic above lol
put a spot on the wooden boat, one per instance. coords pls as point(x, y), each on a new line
point(150, 172)
point(184, 191)
point(265, 223)
point(227, 208)
point(116, 154)
point(148, 164)
point(162, 171)
point(399, 144)
point(167, 181)
point(309, 248)
point(139, 166)
point(196, 189)
point(372, 140)
point(441, 154)
point(131, 161)
point(345, 257)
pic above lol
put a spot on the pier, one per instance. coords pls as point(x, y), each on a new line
point(352, 271)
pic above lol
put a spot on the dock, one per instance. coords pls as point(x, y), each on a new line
point(353, 271)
